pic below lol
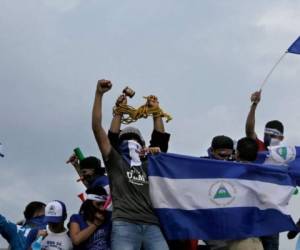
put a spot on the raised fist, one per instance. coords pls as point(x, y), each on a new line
point(73, 160)
point(122, 99)
point(152, 101)
point(103, 86)
point(255, 97)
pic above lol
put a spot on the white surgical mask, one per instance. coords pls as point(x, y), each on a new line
point(274, 142)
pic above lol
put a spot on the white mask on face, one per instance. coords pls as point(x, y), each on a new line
point(274, 142)
point(134, 152)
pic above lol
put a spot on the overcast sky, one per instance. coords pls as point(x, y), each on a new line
point(201, 58)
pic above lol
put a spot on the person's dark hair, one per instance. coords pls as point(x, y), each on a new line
point(275, 124)
point(247, 149)
point(222, 141)
point(87, 209)
point(132, 136)
point(33, 207)
point(92, 162)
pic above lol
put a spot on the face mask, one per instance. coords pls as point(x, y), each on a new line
point(274, 142)
point(130, 151)
point(269, 141)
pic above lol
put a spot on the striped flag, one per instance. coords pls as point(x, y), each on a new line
point(207, 199)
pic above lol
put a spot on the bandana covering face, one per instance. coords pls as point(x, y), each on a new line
point(130, 151)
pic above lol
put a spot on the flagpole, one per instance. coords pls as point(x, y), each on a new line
point(271, 71)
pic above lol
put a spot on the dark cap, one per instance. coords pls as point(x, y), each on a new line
point(92, 162)
point(222, 141)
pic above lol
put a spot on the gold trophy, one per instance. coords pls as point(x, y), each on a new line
point(131, 114)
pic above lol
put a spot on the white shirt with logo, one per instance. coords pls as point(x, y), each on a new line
point(57, 241)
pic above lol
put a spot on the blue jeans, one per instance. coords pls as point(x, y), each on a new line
point(131, 236)
point(270, 242)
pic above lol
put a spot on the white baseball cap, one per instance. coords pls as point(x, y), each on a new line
point(55, 212)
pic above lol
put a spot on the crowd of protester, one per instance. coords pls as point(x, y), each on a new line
point(132, 223)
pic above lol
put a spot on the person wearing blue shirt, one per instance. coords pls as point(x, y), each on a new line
point(34, 214)
point(90, 229)
point(10, 232)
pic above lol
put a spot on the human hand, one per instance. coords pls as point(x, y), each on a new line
point(99, 218)
point(150, 150)
point(42, 233)
point(122, 99)
point(103, 86)
point(152, 101)
point(73, 160)
point(154, 150)
point(255, 97)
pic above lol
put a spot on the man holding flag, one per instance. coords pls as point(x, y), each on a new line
point(273, 136)
point(220, 200)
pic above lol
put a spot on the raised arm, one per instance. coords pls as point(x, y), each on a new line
point(99, 132)
point(250, 123)
point(159, 137)
point(115, 125)
point(158, 123)
point(74, 162)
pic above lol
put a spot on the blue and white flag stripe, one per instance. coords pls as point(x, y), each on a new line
point(243, 193)
point(186, 168)
point(222, 223)
point(205, 199)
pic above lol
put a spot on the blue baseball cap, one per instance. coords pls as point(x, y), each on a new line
point(55, 212)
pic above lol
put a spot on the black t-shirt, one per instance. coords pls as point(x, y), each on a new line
point(129, 184)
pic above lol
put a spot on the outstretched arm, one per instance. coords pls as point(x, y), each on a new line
point(115, 125)
point(99, 132)
point(159, 137)
point(250, 123)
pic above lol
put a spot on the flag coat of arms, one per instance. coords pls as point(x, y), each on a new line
point(206, 199)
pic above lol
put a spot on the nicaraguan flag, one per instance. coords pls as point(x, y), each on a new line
point(295, 47)
point(197, 198)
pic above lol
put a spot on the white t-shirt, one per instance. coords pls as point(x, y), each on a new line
point(57, 241)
